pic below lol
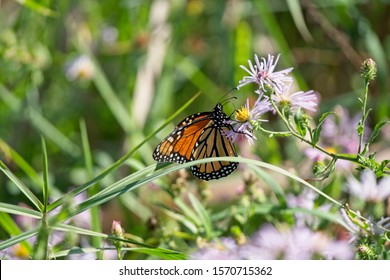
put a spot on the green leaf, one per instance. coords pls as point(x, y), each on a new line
point(187, 211)
point(317, 130)
point(376, 131)
point(296, 13)
point(182, 219)
point(37, 7)
point(300, 120)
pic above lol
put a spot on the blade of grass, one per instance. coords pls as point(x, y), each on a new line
point(21, 163)
point(187, 211)
point(270, 181)
point(158, 252)
point(9, 99)
point(23, 188)
point(19, 210)
point(109, 96)
point(273, 27)
point(131, 202)
point(145, 248)
point(17, 239)
point(296, 12)
point(51, 132)
point(182, 219)
point(45, 189)
point(40, 123)
point(196, 76)
point(95, 217)
point(9, 226)
point(82, 231)
point(203, 215)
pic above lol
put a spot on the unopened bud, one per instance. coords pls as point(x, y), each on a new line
point(369, 69)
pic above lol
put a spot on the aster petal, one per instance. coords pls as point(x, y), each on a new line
point(262, 72)
point(384, 187)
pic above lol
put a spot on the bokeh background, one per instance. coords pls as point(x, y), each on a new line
point(123, 67)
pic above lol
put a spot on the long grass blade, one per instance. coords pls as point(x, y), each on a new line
point(45, 189)
point(22, 164)
point(88, 162)
point(19, 210)
point(17, 239)
point(23, 188)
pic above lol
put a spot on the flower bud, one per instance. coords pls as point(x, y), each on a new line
point(368, 69)
point(116, 229)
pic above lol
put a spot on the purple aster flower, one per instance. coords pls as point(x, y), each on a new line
point(355, 230)
point(340, 131)
point(305, 200)
point(368, 188)
point(293, 101)
point(263, 72)
point(267, 244)
point(247, 119)
point(298, 243)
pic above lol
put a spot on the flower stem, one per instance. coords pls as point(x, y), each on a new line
point(362, 122)
point(348, 157)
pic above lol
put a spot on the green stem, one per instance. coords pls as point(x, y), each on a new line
point(297, 135)
point(364, 116)
point(275, 133)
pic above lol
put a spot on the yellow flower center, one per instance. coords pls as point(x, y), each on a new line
point(21, 252)
point(331, 150)
point(242, 115)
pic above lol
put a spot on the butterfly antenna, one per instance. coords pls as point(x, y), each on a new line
point(219, 101)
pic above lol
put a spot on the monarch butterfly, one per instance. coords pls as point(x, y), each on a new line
point(199, 136)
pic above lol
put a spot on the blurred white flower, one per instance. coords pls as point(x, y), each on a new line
point(109, 34)
point(81, 68)
point(368, 188)
point(225, 249)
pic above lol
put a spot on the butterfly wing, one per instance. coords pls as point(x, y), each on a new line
point(199, 136)
point(213, 142)
point(177, 146)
